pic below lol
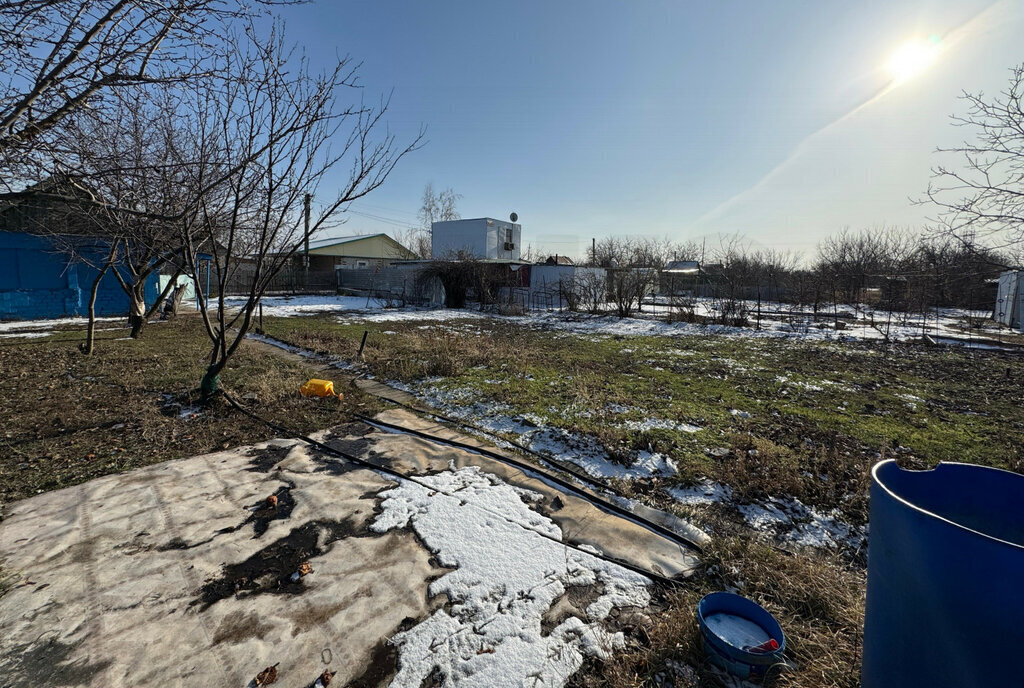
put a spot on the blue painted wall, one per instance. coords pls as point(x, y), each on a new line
point(38, 282)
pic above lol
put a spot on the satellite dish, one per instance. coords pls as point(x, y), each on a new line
point(513, 217)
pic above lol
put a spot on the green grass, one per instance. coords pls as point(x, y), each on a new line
point(812, 436)
point(840, 408)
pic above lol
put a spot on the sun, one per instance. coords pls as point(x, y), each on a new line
point(912, 58)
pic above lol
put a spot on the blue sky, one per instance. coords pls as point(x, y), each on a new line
point(645, 118)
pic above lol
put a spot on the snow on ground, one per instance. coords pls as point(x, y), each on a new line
point(788, 519)
point(801, 524)
point(865, 324)
point(705, 492)
point(776, 320)
point(341, 363)
point(307, 304)
point(16, 325)
point(660, 424)
point(26, 335)
point(507, 574)
point(533, 432)
point(588, 454)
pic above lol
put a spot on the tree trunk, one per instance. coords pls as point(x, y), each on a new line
point(171, 283)
point(90, 333)
point(210, 382)
point(175, 302)
point(137, 317)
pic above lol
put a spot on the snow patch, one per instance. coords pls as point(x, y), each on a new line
point(703, 493)
point(660, 424)
point(506, 576)
point(801, 524)
point(12, 325)
point(26, 335)
point(589, 455)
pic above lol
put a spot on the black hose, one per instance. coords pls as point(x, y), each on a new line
point(401, 476)
point(596, 500)
point(571, 470)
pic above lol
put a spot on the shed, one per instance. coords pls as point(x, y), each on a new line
point(1009, 307)
point(39, 281)
point(482, 238)
point(679, 277)
point(356, 251)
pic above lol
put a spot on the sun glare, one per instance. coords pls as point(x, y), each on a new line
point(912, 58)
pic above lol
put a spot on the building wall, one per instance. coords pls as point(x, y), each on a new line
point(38, 282)
point(379, 249)
point(481, 237)
point(1009, 307)
point(317, 262)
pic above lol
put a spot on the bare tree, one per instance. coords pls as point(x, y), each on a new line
point(629, 286)
point(124, 164)
point(981, 200)
point(60, 56)
point(274, 131)
point(592, 286)
point(440, 206)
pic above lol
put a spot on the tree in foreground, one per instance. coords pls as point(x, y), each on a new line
point(272, 132)
point(61, 57)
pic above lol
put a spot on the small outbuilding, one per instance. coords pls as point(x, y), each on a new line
point(38, 280)
point(679, 277)
point(354, 252)
point(482, 238)
point(1009, 308)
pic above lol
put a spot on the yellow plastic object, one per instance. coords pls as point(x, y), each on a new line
point(318, 388)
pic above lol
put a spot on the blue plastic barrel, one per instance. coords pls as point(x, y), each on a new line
point(945, 598)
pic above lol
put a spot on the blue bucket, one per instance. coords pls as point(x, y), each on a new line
point(729, 623)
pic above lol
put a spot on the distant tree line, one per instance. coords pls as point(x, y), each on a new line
point(894, 267)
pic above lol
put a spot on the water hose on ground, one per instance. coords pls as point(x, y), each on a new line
point(695, 538)
point(277, 427)
point(597, 501)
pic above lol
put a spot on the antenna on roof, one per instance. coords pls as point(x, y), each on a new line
point(513, 217)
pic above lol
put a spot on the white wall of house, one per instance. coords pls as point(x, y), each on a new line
point(481, 237)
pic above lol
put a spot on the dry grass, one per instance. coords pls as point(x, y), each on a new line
point(816, 598)
point(70, 418)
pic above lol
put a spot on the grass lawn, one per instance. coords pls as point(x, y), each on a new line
point(69, 418)
point(817, 415)
point(765, 417)
point(795, 419)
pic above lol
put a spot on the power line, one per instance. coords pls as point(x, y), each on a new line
point(381, 218)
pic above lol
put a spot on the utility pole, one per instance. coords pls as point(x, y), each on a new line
point(593, 251)
point(305, 258)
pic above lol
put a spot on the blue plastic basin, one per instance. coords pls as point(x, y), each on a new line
point(729, 622)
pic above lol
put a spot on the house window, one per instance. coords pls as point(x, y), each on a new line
point(508, 235)
point(362, 264)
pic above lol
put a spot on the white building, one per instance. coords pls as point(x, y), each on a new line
point(1009, 308)
point(481, 237)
